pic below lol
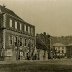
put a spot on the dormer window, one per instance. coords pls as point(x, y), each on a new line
point(15, 25)
point(10, 22)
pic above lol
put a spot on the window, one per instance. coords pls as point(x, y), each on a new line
point(62, 51)
point(15, 25)
point(20, 26)
point(58, 51)
point(20, 41)
point(15, 40)
point(10, 23)
point(25, 42)
point(11, 40)
point(32, 31)
point(32, 43)
point(24, 27)
point(28, 29)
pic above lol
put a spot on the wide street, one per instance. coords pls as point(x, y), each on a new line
point(63, 65)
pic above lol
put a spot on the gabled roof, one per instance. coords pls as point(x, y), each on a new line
point(58, 44)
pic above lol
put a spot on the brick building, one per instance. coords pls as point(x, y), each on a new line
point(17, 37)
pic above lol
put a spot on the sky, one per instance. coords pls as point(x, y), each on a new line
point(51, 16)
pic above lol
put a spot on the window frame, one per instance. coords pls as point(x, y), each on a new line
point(11, 39)
point(25, 27)
point(11, 22)
point(20, 26)
point(16, 24)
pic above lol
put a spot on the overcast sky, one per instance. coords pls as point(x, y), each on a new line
point(51, 16)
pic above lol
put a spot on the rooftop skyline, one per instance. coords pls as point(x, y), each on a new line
point(51, 16)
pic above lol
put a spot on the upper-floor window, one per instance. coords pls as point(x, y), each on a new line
point(20, 26)
point(28, 29)
point(10, 22)
point(24, 27)
point(29, 43)
point(15, 25)
point(32, 31)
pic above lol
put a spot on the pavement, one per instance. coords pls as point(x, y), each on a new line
point(50, 61)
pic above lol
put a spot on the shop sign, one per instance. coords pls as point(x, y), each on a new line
point(8, 52)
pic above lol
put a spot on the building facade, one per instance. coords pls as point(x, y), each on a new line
point(43, 46)
point(17, 37)
point(59, 50)
point(69, 51)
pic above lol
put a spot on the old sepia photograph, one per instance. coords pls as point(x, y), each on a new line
point(35, 35)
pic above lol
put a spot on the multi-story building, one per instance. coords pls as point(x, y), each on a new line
point(17, 37)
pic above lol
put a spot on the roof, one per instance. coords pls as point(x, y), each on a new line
point(58, 44)
point(8, 11)
point(69, 44)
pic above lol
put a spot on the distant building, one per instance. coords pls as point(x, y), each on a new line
point(43, 46)
point(59, 50)
point(69, 51)
point(17, 37)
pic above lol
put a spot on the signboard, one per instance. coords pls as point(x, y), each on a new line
point(8, 52)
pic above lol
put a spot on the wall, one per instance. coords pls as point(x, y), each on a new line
point(19, 33)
